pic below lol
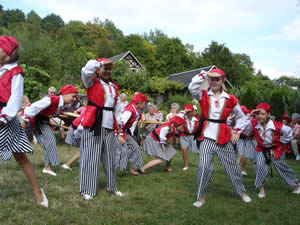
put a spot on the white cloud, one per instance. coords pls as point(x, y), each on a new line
point(273, 72)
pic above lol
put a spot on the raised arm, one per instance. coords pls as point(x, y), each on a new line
point(88, 72)
point(194, 86)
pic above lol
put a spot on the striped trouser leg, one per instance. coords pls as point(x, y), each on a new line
point(134, 153)
point(285, 171)
point(48, 141)
point(262, 170)
point(108, 159)
point(90, 155)
point(227, 157)
point(205, 167)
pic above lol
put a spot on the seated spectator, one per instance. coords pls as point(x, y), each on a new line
point(296, 134)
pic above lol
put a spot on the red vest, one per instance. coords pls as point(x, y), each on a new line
point(277, 145)
point(5, 83)
point(224, 131)
point(95, 94)
point(169, 135)
point(186, 130)
point(51, 109)
point(133, 116)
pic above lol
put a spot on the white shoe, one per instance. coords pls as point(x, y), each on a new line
point(185, 168)
point(49, 172)
point(119, 193)
point(297, 191)
point(45, 202)
point(87, 197)
point(246, 198)
point(198, 204)
point(65, 166)
point(244, 173)
point(298, 157)
point(261, 195)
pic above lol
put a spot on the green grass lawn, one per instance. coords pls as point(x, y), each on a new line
point(156, 198)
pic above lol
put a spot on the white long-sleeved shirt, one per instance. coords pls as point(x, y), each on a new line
point(87, 74)
point(286, 133)
point(38, 106)
point(125, 116)
point(14, 103)
point(216, 107)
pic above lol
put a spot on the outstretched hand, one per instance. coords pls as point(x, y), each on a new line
point(234, 138)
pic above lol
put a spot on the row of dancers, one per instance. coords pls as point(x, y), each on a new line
point(103, 128)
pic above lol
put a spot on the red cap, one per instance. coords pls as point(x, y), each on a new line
point(67, 89)
point(8, 44)
point(285, 117)
point(188, 107)
point(177, 119)
point(264, 106)
point(219, 71)
point(244, 109)
point(102, 61)
point(139, 98)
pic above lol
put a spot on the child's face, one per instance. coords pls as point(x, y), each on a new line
point(105, 72)
point(180, 128)
point(4, 58)
point(215, 83)
point(141, 105)
point(84, 103)
point(70, 98)
point(262, 116)
point(284, 122)
point(189, 114)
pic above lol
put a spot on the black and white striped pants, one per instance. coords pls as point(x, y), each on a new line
point(48, 141)
point(262, 170)
point(93, 150)
point(208, 148)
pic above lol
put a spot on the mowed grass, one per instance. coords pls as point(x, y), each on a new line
point(156, 198)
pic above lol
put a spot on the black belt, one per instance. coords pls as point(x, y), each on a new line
point(187, 133)
point(156, 135)
point(246, 137)
point(2, 105)
point(98, 117)
point(73, 126)
point(267, 154)
point(200, 126)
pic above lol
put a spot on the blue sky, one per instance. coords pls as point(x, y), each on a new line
point(267, 30)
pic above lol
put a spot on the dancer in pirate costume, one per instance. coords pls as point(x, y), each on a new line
point(74, 134)
point(215, 135)
point(39, 114)
point(271, 137)
point(98, 140)
point(156, 144)
point(13, 139)
point(130, 150)
point(245, 147)
point(187, 142)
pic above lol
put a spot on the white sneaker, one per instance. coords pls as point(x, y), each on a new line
point(297, 191)
point(298, 157)
point(45, 202)
point(198, 204)
point(244, 173)
point(65, 166)
point(185, 168)
point(246, 198)
point(261, 195)
point(49, 172)
point(119, 193)
point(87, 197)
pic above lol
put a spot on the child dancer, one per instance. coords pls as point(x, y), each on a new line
point(271, 137)
point(155, 143)
point(13, 139)
point(216, 106)
point(245, 147)
point(187, 141)
point(74, 134)
point(99, 121)
point(130, 150)
point(39, 114)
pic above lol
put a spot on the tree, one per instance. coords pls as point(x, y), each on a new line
point(52, 22)
point(12, 17)
point(33, 17)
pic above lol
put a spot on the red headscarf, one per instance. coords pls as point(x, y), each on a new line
point(8, 44)
point(264, 106)
point(285, 117)
point(139, 98)
point(177, 119)
point(219, 71)
point(67, 89)
point(188, 107)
